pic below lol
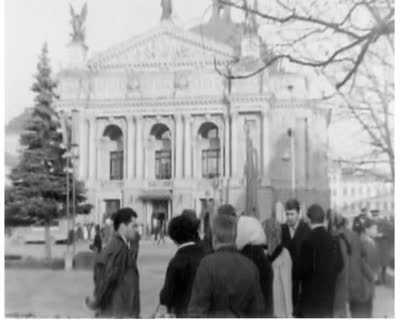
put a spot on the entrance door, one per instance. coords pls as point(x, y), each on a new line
point(112, 206)
point(159, 206)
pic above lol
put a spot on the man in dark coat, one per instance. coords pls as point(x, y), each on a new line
point(116, 273)
point(294, 231)
point(182, 268)
point(227, 284)
point(320, 264)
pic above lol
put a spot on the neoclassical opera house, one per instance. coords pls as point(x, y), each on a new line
point(158, 128)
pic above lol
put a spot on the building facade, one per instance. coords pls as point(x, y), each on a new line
point(352, 192)
point(159, 128)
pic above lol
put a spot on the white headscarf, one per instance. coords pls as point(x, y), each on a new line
point(249, 232)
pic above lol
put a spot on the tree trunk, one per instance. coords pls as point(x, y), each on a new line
point(47, 241)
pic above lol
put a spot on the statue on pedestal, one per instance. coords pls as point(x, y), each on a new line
point(166, 6)
point(77, 22)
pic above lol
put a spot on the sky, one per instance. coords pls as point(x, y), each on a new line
point(28, 24)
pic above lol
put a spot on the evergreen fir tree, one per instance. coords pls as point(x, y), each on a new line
point(38, 191)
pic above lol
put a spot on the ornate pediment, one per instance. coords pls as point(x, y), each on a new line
point(166, 45)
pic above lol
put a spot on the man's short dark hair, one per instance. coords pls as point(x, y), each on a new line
point(227, 209)
point(316, 214)
point(181, 229)
point(125, 216)
point(292, 204)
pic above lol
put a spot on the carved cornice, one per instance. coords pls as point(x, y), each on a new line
point(106, 103)
point(137, 46)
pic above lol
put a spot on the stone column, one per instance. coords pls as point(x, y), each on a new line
point(188, 147)
point(139, 148)
point(265, 144)
point(83, 147)
point(92, 147)
point(178, 146)
point(130, 147)
point(227, 158)
point(234, 144)
point(221, 136)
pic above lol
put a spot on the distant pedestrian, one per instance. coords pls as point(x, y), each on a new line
point(385, 242)
point(97, 244)
point(161, 217)
point(294, 231)
point(227, 284)
point(320, 264)
point(252, 243)
point(182, 268)
point(85, 233)
point(363, 269)
point(116, 273)
point(282, 270)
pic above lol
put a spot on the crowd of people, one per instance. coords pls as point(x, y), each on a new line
point(311, 266)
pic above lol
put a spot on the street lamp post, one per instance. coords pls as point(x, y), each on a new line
point(292, 158)
point(293, 161)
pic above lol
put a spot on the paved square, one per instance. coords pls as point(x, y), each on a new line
point(47, 293)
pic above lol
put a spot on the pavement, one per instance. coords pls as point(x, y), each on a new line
point(47, 293)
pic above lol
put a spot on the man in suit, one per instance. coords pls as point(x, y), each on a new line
point(116, 274)
point(320, 265)
point(227, 284)
point(294, 231)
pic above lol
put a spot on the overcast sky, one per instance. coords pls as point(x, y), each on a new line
point(29, 23)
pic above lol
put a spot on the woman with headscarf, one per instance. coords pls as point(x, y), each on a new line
point(282, 270)
point(251, 242)
point(337, 227)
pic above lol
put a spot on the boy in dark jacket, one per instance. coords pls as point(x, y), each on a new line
point(182, 268)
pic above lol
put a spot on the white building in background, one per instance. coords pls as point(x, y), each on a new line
point(353, 191)
point(158, 129)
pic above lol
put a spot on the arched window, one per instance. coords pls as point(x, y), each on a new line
point(162, 152)
point(115, 148)
point(210, 150)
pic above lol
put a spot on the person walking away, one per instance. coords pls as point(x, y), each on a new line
point(161, 219)
point(294, 231)
point(116, 274)
point(320, 264)
point(227, 284)
point(252, 243)
point(341, 300)
point(362, 274)
point(181, 271)
point(97, 244)
point(282, 270)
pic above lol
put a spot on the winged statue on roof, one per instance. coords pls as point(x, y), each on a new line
point(77, 22)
